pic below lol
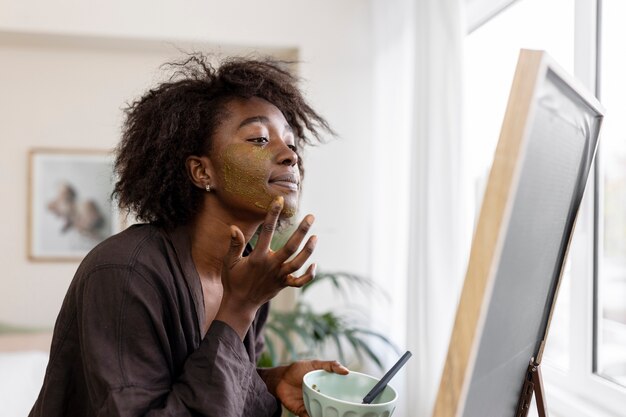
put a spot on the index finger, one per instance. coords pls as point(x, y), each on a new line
point(269, 225)
point(330, 366)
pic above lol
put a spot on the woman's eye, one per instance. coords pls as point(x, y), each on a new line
point(292, 147)
point(261, 139)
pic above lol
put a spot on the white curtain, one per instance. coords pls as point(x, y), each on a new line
point(419, 244)
point(437, 240)
point(393, 110)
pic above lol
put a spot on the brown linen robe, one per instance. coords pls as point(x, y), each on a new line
point(128, 339)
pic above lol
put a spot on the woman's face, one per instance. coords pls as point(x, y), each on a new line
point(254, 158)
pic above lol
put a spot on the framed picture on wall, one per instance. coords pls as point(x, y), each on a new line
point(70, 207)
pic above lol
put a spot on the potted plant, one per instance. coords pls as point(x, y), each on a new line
point(303, 332)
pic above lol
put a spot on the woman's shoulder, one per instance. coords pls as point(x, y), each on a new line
point(131, 248)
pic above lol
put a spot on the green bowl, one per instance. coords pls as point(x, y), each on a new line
point(332, 395)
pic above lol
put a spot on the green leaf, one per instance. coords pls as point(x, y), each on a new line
point(265, 361)
point(355, 346)
point(283, 335)
point(381, 337)
point(342, 281)
point(370, 353)
point(339, 345)
point(271, 352)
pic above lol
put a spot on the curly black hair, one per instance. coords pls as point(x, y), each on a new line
point(178, 118)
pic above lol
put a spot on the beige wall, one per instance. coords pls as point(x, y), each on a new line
point(66, 70)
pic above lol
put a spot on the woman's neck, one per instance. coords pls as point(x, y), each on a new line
point(210, 241)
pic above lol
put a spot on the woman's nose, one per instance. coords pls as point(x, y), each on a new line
point(286, 155)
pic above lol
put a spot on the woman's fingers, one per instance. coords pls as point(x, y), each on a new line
point(330, 366)
point(269, 226)
point(339, 368)
point(237, 246)
point(280, 257)
point(291, 281)
point(297, 262)
point(296, 239)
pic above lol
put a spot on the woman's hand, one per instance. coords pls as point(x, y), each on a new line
point(285, 382)
point(251, 281)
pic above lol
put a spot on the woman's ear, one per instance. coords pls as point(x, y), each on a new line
point(199, 169)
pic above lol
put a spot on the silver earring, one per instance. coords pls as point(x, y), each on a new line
point(207, 188)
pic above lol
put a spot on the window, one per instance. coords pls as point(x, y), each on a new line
point(526, 24)
point(584, 365)
point(610, 349)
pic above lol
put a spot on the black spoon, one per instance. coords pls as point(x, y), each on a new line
point(380, 386)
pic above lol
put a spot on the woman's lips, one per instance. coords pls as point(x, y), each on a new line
point(285, 184)
point(288, 181)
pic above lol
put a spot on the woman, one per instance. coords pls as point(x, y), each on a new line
point(166, 318)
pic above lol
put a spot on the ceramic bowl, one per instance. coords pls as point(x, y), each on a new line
point(332, 395)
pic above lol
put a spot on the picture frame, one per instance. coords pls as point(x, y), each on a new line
point(70, 209)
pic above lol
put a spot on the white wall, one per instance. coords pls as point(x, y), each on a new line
point(67, 90)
